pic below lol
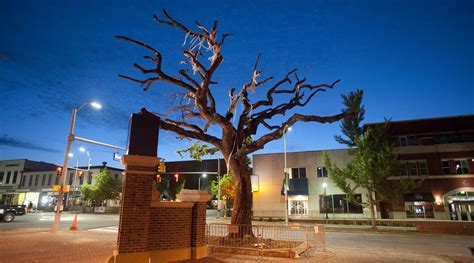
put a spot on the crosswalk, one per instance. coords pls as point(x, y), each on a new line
point(110, 229)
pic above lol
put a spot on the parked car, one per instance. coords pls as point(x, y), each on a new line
point(9, 212)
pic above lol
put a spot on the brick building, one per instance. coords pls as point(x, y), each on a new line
point(441, 152)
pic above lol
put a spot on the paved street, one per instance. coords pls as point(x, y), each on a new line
point(31, 237)
point(45, 220)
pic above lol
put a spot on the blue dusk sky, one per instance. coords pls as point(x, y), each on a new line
point(413, 59)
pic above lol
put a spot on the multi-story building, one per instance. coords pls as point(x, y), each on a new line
point(11, 172)
point(36, 186)
point(311, 194)
point(439, 151)
point(25, 181)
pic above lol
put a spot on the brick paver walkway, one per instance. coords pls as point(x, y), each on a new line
point(33, 245)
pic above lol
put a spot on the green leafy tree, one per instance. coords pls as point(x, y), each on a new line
point(351, 127)
point(374, 162)
point(169, 187)
point(228, 189)
point(104, 188)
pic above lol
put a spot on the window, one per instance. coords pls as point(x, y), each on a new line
point(445, 165)
point(23, 180)
point(403, 141)
point(1, 177)
point(423, 167)
point(461, 167)
point(321, 171)
point(9, 174)
point(295, 173)
point(116, 176)
point(43, 180)
point(412, 167)
point(411, 140)
point(81, 180)
point(36, 179)
point(30, 183)
point(89, 180)
point(298, 207)
point(403, 169)
point(15, 176)
point(338, 204)
point(71, 177)
point(56, 180)
point(49, 179)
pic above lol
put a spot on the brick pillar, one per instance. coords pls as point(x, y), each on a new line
point(198, 224)
point(136, 198)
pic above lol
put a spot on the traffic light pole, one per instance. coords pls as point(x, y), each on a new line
point(59, 203)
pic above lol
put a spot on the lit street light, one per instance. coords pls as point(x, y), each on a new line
point(285, 182)
point(70, 138)
point(203, 176)
point(325, 185)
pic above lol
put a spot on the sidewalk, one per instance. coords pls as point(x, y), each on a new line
point(44, 245)
point(33, 245)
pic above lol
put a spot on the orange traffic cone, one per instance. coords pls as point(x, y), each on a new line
point(74, 224)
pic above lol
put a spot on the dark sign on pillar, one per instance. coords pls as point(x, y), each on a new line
point(143, 134)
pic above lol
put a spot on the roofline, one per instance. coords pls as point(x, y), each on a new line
point(328, 150)
point(423, 119)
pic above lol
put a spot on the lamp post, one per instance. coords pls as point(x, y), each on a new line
point(218, 186)
point(70, 138)
point(285, 182)
point(203, 176)
point(325, 185)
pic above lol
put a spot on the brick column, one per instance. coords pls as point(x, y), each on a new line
point(198, 224)
point(136, 198)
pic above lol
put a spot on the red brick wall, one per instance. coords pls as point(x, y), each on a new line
point(198, 225)
point(169, 228)
point(135, 213)
point(145, 228)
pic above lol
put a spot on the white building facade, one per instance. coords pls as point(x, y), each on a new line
point(307, 196)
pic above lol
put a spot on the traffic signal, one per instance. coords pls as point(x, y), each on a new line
point(161, 167)
point(80, 174)
point(59, 171)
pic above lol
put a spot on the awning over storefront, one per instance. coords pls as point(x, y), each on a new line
point(419, 197)
point(297, 186)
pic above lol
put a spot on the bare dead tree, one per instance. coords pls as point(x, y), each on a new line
point(196, 110)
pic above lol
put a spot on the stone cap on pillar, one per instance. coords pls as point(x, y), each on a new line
point(188, 195)
point(138, 160)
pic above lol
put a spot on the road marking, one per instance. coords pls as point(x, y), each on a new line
point(112, 229)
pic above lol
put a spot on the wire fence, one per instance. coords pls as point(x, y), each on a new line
point(264, 240)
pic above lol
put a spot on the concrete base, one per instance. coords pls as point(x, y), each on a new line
point(156, 256)
point(199, 252)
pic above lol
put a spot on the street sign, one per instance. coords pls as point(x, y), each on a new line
point(57, 188)
point(233, 229)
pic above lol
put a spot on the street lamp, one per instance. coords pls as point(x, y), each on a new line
point(285, 182)
point(325, 185)
point(203, 176)
point(70, 138)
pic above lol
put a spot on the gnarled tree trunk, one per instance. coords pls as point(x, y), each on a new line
point(242, 209)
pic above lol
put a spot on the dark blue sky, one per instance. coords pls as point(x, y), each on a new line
point(414, 59)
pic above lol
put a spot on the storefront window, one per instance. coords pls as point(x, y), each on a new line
point(338, 204)
point(298, 207)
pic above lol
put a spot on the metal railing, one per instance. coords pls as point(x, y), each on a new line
point(265, 239)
